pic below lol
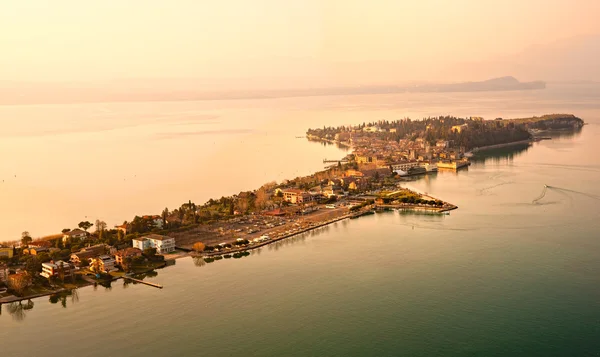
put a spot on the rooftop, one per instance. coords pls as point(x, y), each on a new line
point(155, 237)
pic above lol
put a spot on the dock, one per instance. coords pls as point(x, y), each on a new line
point(143, 282)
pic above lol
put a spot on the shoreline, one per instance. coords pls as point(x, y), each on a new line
point(350, 215)
point(498, 146)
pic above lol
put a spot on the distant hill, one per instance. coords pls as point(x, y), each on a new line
point(573, 59)
point(495, 84)
point(47, 93)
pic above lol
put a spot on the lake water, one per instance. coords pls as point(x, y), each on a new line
point(499, 276)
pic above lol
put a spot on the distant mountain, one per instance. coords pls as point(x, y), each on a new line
point(495, 84)
point(573, 59)
point(29, 93)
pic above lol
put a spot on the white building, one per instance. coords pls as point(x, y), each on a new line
point(163, 244)
point(51, 269)
point(371, 129)
point(156, 220)
point(74, 235)
point(405, 166)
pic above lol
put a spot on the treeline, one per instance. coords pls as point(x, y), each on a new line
point(432, 129)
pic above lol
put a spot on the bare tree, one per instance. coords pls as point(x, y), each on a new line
point(262, 198)
point(241, 204)
point(100, 225)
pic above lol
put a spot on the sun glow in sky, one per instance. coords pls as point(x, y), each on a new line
point(57, 40)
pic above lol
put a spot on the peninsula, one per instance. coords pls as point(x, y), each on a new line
point(384, 155)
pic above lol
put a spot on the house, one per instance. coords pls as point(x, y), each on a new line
point(163, 244)
point(381, 172)
point(86, 253)
point(52, 269)
point(442, 144)
point(156, 221)
point(122, 228)
point(459, 128)
point(371, 129)
point(405, 166)
point(126, 253)
point(6, 252)
point(3, 273)
point(105, 263)
point(41, 243)
point(331, 190)
point(363, 159)
point(355, 173)
point(296, 196)
point(36, 250)
point(74, 235)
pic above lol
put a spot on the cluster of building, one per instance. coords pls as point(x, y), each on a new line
point(101, 257)
point(406, 154)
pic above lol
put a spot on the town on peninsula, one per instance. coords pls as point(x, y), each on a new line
point(383, 156)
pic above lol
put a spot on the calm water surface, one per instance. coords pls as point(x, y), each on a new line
point(500, 276)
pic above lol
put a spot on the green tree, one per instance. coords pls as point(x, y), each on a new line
point(61, 273)
point(33, 266)
point(165, 215)
point(149, 253)
point(26, 238)
point(43, 257)
point(85, 225)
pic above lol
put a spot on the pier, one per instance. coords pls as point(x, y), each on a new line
point(143, 282)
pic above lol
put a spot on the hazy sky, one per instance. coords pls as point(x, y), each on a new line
point(88, 40)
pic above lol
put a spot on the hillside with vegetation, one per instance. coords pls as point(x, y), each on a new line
point(473, 132)
point(550, 122)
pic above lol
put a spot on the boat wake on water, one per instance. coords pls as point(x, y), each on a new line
point(563, 190)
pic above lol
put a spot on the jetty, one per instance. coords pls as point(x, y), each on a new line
point(144, 282)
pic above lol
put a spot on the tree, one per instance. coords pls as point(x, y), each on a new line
point(65, 230)
point(26, 238)
point(43, 257)
point(165, 215)
point(262, 198)
point(376, 176)
point(126, 264)
point(199, 247)
point(96, 266)
point(150, 253)
point(100, 226)
point(19, 282)
point(241, 204)
point(33, 266)
point(85, 225)
point(61, 273)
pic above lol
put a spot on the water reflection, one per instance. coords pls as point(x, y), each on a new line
point(63, 296)
point(202, 261)
point(327, 143)
point(18, 309)
point(507, 154)
point(563, 134)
